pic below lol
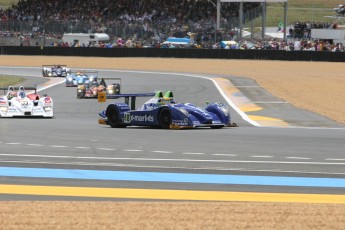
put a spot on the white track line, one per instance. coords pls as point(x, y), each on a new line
point(298, 158)
point(172, 167)
point(188, 153)
point(106, 149)
point(176, 159)
point(158, 151)
point(38, 145)
point(58, 146)
point(225, 155)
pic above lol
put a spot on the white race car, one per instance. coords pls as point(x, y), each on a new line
point(19, 103)
point(55, 71)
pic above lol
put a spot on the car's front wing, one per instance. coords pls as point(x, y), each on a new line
point(34, 112)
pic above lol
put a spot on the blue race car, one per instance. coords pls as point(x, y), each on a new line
point(162, 112)
point(80, 78)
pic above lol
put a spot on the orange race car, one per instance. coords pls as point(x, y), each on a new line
point(92, 88)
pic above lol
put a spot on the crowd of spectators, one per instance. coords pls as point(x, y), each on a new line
point(150, 23)
point(303, 29)
point(143, 18)
point(253, 44)
point(120, 11)
point(293, 45)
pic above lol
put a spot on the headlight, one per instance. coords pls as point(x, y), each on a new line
point(225, 110)
point(69, 79)
point(183, 111)
point(49, 74)
point(110, 91)
point(47, 109)
point(3, 109)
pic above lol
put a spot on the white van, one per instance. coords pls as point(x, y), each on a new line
point(85, 39)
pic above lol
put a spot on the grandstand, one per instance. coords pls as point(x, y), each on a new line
point(140, 20)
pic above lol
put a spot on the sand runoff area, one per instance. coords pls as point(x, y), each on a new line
point(315, 86)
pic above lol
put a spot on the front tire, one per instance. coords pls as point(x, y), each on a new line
point(165, 118)
point(113, 116)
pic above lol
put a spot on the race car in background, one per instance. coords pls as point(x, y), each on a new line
point(55, 71)
point(80, 77)
point(92, 88)
point(17, 102)
point(163, 112)
point(340, 10)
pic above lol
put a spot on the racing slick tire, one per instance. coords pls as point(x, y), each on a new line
point(113, 116)
point(80, 95)
point(164, 118)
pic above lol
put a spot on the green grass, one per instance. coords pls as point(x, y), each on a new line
point(7, 3)
point(9, 80)
point(300, 10)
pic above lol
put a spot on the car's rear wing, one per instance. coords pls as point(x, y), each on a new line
point(129, 98)
point(111, 78)
point(53, 66)
point(87, 72)
point(16, 88)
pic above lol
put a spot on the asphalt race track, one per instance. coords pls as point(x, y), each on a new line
point(278, 153)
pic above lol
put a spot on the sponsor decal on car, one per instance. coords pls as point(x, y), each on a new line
point(196, 123)
point(12, 110)
point(128, 118)
point(24, 104)
point(183, 122)
point(47, 100)
point(201, 111)
point(37, 110)
point(123, 107)
point(151, 106)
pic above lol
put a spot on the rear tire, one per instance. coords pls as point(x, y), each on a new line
point(164, 118)
point(80, 95)
point(113, 116)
